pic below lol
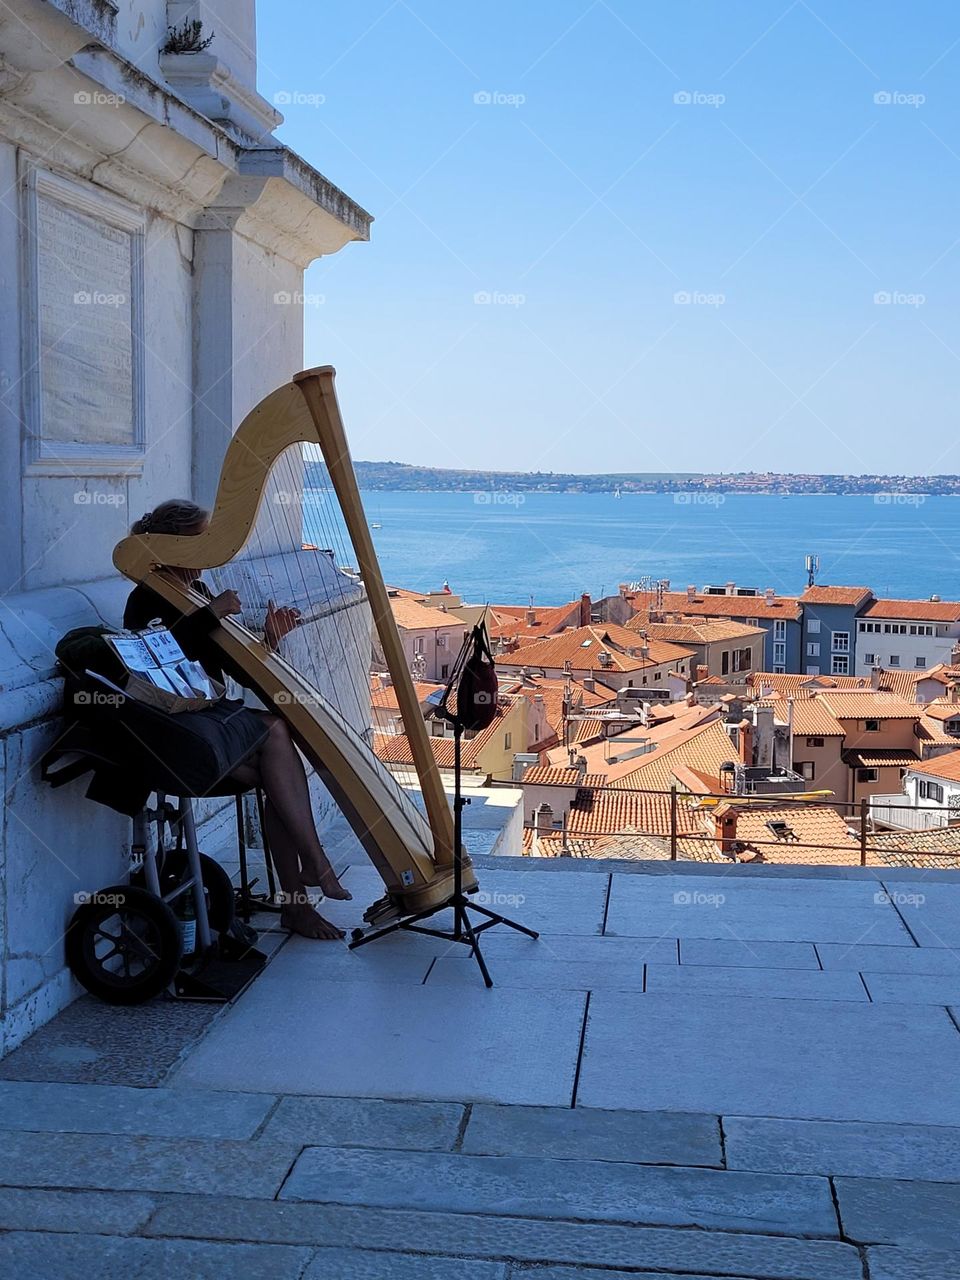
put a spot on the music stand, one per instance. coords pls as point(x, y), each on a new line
point(463, 930)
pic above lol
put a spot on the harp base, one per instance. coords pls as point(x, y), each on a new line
point(463, 881)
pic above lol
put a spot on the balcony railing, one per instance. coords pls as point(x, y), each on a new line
point(892, 812)
point(861, 823)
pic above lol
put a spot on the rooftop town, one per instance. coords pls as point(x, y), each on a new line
point(720, 725)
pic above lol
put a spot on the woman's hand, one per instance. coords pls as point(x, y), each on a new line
point(225, 603)
point(279, 622)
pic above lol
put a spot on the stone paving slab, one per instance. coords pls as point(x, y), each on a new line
point(561, 1133)
point(577, 948)
point(721, 1253)
point(884, 1263)
point(580, 1189)
point(364, 1122)
point(752, 955)
point(798, 1059)
point(109, 1162)
point(918, 988)
point(929, 1152)
point(38, 1256)
point(867, 959)
point(356, 1264)
point(32, 1209)
point(888, 1211)
point(780, 984)
point(930, 911)
point(781, 911)
point(158, 1113)
point(391, 1041)
point(90, 1042)
point(590, 1273)
point(545, 973)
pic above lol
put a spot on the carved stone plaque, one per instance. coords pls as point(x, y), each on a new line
point(85, 309)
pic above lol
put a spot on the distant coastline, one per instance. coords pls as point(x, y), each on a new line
point(402, 477)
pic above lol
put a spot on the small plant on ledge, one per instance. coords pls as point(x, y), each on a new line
point(187, 38)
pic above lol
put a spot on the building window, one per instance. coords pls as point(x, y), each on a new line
point(445, 671)
point(507, 741)
point(867, 775)
point(870, 659)
point(780, 629)
point(807, 770)
point(930, 791)
point(840, 665)
point(871, 726)
point(841, 641)
point(724, 662)
point(813, 648)
point(657, 675)
point(813, 626)
point(779, 654)
point(921, 662)
point(779, 669)
point(814, 742)
point(418, 645)
point(812, 671)
point(894, 659)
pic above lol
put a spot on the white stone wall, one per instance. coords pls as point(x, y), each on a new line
point(225, 233)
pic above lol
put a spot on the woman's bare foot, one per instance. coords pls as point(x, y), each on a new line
point(318, 871)
point(300, 917)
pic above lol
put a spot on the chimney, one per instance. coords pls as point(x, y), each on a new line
point(954, 693)
point(531, 617)
point(585, 610)
point(730, 588)
point(725, 820)
point(691, 592)
point(701, 673)
point(769, 595)
point(645, 651)
point(589, 684)
point(580, 764)
point(543, 819)
point(875, 674)
point(745, 737)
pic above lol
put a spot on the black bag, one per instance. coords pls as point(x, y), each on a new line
point(477, 691)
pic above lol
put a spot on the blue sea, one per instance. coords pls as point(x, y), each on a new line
point(509, 547)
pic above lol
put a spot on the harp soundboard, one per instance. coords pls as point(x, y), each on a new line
point(258, 540)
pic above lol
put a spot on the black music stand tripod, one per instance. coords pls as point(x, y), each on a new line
point(463, 930)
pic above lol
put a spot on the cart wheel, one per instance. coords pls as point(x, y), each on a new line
point(123, 945)
point(221, 902)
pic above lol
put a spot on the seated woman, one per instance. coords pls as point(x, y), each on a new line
point(272, 762)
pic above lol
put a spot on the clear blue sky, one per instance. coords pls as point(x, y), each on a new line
point(584, 198)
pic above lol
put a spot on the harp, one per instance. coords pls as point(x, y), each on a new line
point(286, 486)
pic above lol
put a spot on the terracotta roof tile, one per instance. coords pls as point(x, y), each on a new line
point(582, 646)
point(836, 595)
point(412, 616)
point(719, 606)
point(915, 610)
point(945, 766)
point(872, 705)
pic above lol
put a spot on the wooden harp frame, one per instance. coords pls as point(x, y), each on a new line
point(414, 857)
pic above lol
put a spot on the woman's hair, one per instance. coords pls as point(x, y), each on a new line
point(177, 515)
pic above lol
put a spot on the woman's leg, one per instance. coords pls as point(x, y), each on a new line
point(287, 791)
point(298, 913)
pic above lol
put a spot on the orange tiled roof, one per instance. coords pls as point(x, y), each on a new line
point(941, 709)
point(869, 705)
point(810, 718)
point(937, 848)
point(394, 748)
point(718, 606)
point(881, 758)
point(836, 595)
point(386, 698)
point(581, 647)
point(511, 622)
point(815, 826)
point(915, 610)
point(705, 749)
point(545, 775)
point(412, 616)
point(804, 686)
point(693, 630)
point(945, 766)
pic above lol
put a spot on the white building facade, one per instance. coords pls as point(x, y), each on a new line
point(911, 635)
point(153, 239)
